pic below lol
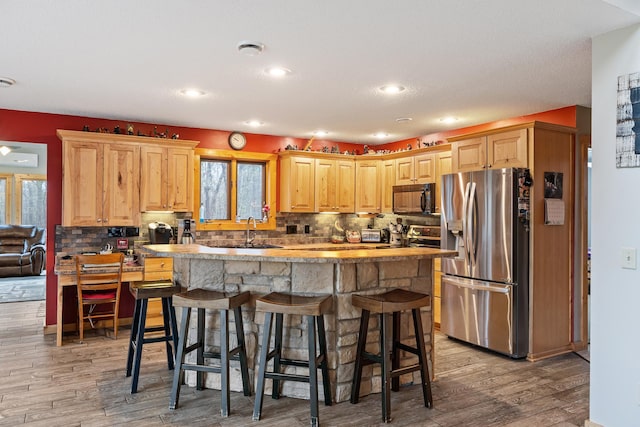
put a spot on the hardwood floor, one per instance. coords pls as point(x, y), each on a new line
point(84, 385)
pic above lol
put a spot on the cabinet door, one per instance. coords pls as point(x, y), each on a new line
point(82, 175)
point(469, 154)
point(345, 186)
point(443, 167)
point(153, 179)
point(387, 181)
point(180, 179)
point(325, 185)
point(121, 184)
point(297, 184)
point(367, 186)
point(404, 171)
point(507, 150)
point(425, 168)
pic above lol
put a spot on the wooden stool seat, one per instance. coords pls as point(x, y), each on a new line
point(141, 292)
point(388, 302)
point(313, 308)
point(391, 303)
point(202, 299)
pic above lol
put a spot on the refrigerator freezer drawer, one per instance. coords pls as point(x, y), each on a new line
point(480, 313)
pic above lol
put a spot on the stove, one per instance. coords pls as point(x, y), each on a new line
point(423, 236)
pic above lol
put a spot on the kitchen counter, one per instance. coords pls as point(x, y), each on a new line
point(339, 270)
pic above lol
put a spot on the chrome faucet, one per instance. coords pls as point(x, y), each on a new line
point(250, 236)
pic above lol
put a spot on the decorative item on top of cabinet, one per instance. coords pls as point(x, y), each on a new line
point(492, 151)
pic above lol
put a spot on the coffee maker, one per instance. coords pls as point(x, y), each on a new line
point(160, 232)
point(186, 231)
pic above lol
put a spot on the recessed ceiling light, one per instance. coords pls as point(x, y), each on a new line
point(391, 89)
point(277, 71)
point(320, 133)
point(403, 119)
point(250, 48)
point(6, 82)
point(449, 120)
point(254, 123)
point(381, 134)
point(192, 93)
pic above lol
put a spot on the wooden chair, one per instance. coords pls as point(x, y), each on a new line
point(99, 279)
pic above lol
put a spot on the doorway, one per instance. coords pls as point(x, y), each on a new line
point(23, 201)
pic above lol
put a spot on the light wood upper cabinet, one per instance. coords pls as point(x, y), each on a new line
point(297, 183)
point(501, 150)
point(443, 167)
point(368, 193)
point(387, 181)
point(100, 183)
point(166, 178)
point(334, 185)
point(416, 169)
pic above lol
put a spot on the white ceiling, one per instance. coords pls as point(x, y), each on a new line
point(478, 60)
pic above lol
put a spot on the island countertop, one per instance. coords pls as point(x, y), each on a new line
point(339, 270)
point(310, 253)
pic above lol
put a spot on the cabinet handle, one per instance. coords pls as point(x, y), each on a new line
point(162, 264)
point(106, 220)
point(99, 220)
point(489, 165)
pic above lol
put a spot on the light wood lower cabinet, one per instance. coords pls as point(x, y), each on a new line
point(437, 296)
point(156, 268)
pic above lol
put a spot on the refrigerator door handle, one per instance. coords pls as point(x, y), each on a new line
point(472, 235)
point(465, 226)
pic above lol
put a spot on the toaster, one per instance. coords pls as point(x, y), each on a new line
point(371, 235)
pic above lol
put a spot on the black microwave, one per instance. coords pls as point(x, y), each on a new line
point(414, 199)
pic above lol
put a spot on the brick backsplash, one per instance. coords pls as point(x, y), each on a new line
point(74, 240)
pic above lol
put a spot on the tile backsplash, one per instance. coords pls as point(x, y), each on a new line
point(72, 240)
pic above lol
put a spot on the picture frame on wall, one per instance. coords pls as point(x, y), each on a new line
point(628, 121)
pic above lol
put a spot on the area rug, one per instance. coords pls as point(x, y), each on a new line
point(27, 288)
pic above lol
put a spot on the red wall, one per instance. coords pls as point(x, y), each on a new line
point(41, 128)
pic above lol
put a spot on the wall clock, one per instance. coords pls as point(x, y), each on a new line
point(237, 140)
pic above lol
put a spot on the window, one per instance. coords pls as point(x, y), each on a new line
point(5, 199)
point(232, 187)
point(31, 200)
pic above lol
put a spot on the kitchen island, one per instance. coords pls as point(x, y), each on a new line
point(339, 270)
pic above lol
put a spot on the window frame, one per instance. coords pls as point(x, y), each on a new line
point(8, 202)
point(19, 178)
point(270, 163)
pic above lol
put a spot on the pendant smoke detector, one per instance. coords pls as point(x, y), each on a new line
point(250, 48)
point(6, 82)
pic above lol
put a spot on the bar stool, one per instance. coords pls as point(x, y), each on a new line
point(142, 291)
point(202, 300)
point(313, 308)
point(394, 302)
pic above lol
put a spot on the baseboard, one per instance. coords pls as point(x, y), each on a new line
point(588, 423)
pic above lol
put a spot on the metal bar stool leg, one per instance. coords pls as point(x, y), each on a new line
point(313, 370)
point(362, 342)
point(178, 374)
point(324, 365)
point(264, 351)
point(139, 342)
point(422, 358)
point(166, 319)
point(224, 363)
point(200, 349)
point(134, 336)
point(277, 367)
point(395, 350)
point(244, 368)
point(385, 354)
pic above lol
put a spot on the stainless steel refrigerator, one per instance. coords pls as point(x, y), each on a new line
point(484, 289)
